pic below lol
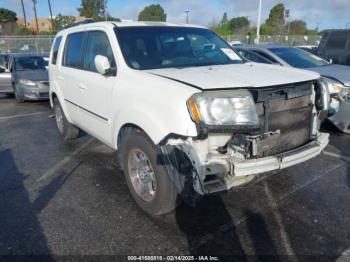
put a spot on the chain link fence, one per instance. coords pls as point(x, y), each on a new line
point(42, 44)
point(25, 44)
point(292, 40)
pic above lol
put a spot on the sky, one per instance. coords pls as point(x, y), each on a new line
point(328, 13)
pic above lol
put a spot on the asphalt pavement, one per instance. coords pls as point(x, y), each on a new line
point(71, 199)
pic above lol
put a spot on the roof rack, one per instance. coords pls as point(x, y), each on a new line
point(85, 21)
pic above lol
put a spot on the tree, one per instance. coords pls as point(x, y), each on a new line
point(224, 19)
point(62, 21)
point(7, 16)
point(152, 13)
point(94, 9)
point(24, 31)
point(276, 19)
point(239, 24)
point(297, 27)
point(8, 20)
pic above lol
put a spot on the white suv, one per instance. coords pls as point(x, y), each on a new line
point(187, 114)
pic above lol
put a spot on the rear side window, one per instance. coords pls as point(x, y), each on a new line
point(55, 48)
point(254, 57)
point(97, 44)
point(73, 52)
point(337, 40)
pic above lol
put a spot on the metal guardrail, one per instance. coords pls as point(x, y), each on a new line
point(42, 44)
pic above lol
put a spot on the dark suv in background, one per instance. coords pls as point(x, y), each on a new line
point(335, 45)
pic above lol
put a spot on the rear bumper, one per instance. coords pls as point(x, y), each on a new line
point(281, 161)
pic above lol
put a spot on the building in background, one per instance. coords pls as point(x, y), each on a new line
point(44, 23)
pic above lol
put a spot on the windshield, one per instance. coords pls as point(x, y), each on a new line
point(162, 47)
point(30, 63)
point(298, 58)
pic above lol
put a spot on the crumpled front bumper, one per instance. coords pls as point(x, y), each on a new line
point(281, 161)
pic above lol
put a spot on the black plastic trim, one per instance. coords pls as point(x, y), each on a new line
point(86, 110)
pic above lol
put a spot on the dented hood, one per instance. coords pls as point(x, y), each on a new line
point(235, 75)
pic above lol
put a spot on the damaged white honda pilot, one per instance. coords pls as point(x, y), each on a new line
point(187, 115)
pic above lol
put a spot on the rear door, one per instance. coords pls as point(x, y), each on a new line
point(96, 89)
point(69, 74)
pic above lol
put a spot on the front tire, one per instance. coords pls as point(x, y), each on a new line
point(67, 130)
point(18, 96)
point(148, 181)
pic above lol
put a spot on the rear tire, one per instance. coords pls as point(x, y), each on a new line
point(67, 130)
point(148, 181)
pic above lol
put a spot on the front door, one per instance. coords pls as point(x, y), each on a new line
point(96, 89)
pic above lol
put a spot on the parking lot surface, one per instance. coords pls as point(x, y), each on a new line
point(70, 198)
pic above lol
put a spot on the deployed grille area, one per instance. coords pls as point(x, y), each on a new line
point(288, 110)
point(293, 118)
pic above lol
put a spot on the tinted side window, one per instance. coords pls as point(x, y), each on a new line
point(337, 40)
point(55, 48)
point(97, 44)
point(73, 52)
point(266, 56)
point(254, 57)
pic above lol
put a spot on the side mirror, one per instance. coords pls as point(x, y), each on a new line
point(103, 66)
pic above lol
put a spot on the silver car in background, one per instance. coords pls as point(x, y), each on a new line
point(29, 77)
point(335, 77)
point(5, 75)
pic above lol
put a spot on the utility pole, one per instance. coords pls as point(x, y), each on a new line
point(258, 27)
point(52, 25)
point(36, 17)
point(187, 12)
point(104, 8)
point(24, 14)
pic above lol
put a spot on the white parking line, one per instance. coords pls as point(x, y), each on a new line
point(339, 156)
point(22, 115)
point(64, 161)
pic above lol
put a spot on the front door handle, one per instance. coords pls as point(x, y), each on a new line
point(82, 87)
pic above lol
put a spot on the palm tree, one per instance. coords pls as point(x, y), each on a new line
point(24, 14)
point(36, 17)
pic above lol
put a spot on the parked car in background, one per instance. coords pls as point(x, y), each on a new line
point(5, 75)
point(335, 77)
point(235, 43)
point(309, 48)
point(187, 115)
point(29, 77)
point(335, 46)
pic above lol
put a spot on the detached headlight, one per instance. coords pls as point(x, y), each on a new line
point(229, 108)
point(26, 82)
